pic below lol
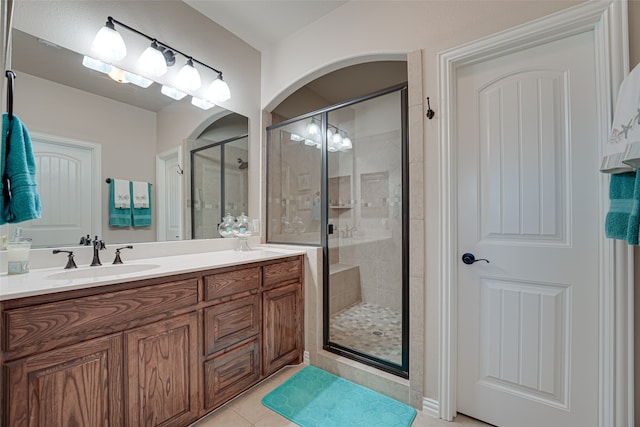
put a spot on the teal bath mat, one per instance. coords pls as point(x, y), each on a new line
point(316, 398)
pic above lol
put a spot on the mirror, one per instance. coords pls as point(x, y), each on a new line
point(136, 133)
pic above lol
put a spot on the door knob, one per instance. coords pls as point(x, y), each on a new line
point(470, 259)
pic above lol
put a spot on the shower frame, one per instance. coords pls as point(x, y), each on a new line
point(192, 155)
point(401, 369)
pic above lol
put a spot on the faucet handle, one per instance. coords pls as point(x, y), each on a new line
point(118, 260)
point(70, 262)
point(86, 241)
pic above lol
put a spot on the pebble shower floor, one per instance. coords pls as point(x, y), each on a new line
point(371, 329)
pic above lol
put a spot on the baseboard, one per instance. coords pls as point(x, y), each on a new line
point(431, 407)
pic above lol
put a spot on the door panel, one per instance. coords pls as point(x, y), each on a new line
point(526, 161)
point(64, 177)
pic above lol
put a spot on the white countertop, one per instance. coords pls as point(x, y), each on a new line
point(49, 280)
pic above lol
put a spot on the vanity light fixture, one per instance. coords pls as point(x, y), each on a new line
point(109, 47)
point(172, 92)
point(108, 43)
point(188, 77)
point(96, 65)
point(152, 61)
point(201, 103)
point(313, 128)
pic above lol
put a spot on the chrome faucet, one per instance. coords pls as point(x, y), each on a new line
point(98, 245)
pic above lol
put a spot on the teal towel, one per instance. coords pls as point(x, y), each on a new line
point(117, 217)
point(623, 219)
point(141, 217)
point(19, 165)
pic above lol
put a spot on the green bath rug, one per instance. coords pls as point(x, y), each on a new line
point(316, 398)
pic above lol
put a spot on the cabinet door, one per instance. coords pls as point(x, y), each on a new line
point(80, 385)
point(228, 374)
point(161, 378)
point(282, 327)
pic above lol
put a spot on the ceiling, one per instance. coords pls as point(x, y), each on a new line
point(261, 23)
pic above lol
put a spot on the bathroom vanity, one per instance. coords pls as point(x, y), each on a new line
point(161, 347)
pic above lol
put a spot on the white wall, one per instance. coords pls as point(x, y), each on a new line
point(61, 111)
point(386, 29)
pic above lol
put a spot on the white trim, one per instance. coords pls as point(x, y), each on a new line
point(431, 407)
point(607, 19)
point(161, 160)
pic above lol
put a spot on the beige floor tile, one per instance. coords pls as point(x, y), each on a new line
point(247, 409)
point(223, 417)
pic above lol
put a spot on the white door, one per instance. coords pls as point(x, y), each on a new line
point(528, 202)
point(169, 180)
point(65, 177)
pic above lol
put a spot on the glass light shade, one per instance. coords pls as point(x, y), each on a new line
point(313, 128)
point(172, 93)
point(118, 75)
point(96, 65)
point(152, 61)
point(336, 139)
point(188, 78)
point(138, 80)
point(346, 143)
point(201, 103)
point(108, 44)
point(219, 90)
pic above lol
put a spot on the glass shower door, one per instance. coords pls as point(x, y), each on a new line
point(367, 300)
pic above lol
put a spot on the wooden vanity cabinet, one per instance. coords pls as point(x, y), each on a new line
point(157, 352)
point(283, 325)
point(79, 385)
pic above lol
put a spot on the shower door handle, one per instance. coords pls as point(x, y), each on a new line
point(329, 228)
point(469, 259)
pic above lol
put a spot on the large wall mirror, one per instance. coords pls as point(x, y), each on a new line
point(117, 127)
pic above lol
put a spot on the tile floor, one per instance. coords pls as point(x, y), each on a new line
point(247, 410)
point(371, 329)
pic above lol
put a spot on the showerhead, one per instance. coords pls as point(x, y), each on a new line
point(242, 164)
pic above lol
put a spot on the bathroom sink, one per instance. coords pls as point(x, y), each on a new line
point(102, 271)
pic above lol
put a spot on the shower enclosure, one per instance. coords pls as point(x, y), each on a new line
point(219, 184)
point(339, 178)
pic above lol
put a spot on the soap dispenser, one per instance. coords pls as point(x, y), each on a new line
point(18, 253)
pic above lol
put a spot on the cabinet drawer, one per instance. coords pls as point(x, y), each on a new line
point(228, 374)
point(228, 283)
point(231, 322)
point(282, 272)
point(47, 326)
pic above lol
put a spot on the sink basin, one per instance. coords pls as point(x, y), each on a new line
point(102, 271)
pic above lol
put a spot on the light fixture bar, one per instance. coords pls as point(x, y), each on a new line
point(112, 21)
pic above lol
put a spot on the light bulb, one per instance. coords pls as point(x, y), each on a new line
point(337, 139)
point(108, 43)
point(152, 61)
point(172, 93)
point(96, 65)
point(219, 90)
point(201, 103)
point(313, 128)
point(188, 78)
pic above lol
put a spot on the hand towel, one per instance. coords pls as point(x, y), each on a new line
point(142, 216)
point(20, 201)
point(140, 194)
point(626, 124)
point(623, 219)
point(117, 217)
point(121, 194)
